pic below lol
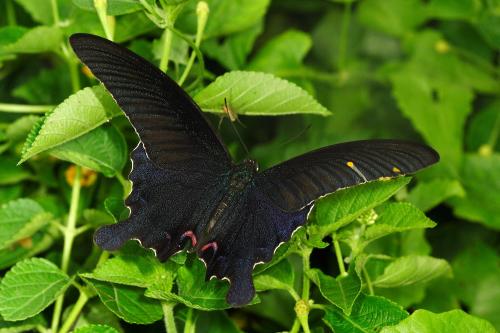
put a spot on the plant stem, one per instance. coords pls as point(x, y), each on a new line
point(69, 234)
point(296, 326)
point(344, 32)
point(22, 108)
point(202, 14)
point(302, 306)
point(368, 281)
point(11, 13)
point(55, 12)
point(340, 260)
point(168, 317)
point(75, 312)
point(167, 45)
point(189, 326)
point(73, 72)
point(306, 283)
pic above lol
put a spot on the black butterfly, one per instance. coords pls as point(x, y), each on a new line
point(186, 188)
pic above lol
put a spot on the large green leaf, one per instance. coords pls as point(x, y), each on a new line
point(254, 93)
point(103, 149)
point(279, 276)
point(19, 219)
point(128, 303)
point(369, 315)
point(40, 10)
point(10, 172)
point(95, 329)
point(114, 8)
point(35, 40)
point(342, 207)
point(341, 291)
point(428, 194)
point(29, 287)
point(77, 115)
point(423, 321)
point(411, 270)
point(21, 326)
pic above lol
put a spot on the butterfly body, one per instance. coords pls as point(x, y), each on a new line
point(186, 188)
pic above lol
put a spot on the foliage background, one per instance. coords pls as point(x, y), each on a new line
point(421, 70)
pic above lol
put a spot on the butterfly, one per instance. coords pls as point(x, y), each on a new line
point(188, 191)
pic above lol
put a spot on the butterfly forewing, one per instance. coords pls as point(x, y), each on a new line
point(171, 126)
point(297, 182)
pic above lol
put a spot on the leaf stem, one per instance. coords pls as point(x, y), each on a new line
point(202, 15)
point(101, 9)
point(306, 283)
point(189, 326)
point(55, 12)
point(11, 13)
point(168, 316)
point(344, 32)
point(296, 326)
point(340, 260)
point(75, 312)
point(368, 281)
point(69, 235)
point(73, 72)
point(24, 108)
point(167, 46)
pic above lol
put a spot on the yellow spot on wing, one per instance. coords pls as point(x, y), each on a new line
point(396, 170)
point(384, 178)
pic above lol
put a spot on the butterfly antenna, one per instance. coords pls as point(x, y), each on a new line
point(239, 138)
point(302, 132)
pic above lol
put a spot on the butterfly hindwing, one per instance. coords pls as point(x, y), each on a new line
point(299, 181)
point(171, 126)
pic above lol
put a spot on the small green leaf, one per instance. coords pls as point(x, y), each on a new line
point(423, 321)
point(218, 321)
point(193, 290)
point(342, 207)
point(95, 329)
point(254, 93)
point(128, 303)
point(77, 115)
point(21, 326)
point(412, 269)
point(10, 172)
point(369, 314)
point(103, 149)
point(116, 208)
point(20, 128)
point(428, 194)
point(49, 86)
point(454, 9)
point(29, 287)
point(341, 291)
point(40, 9)
point(35, 40)
point(396, 217)
point(279, 276)
point(135, 266)
point(488, 24)
point(19, 219)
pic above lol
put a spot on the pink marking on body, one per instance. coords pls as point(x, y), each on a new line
point(191, 235)
point(209, 245)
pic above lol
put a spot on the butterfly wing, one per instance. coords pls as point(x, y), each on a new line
point(171, 126)
point(248, 234)
point(299, 181)
point(178, 165)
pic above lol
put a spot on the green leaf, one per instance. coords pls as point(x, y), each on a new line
point(482, 186)
point(254, 93)
point(453, 9)
point(135, 266)
point(428, 194)
point(232, 52)
point(226, 17)
point(488, 25)
point(40, 10)
point(29, 287)
point(19, 219)
point(19, 129)
point(392, 16)
point(128, 303)
point(369, 315)
point(282, 53)
point(95, 329)
point(46, 87)
point(423, 321)
point(35, 40)
point(114, 8)
point(21, 326)
point(218, 321)
point(341, 291)
point(8, 193)
point(77, 115)
point(279, 276)
point(342, 207)
point(397, 217)
point(103, 149)
point(411, 270)
point(193, 290)
point(483, 129)
point(10, 172)
point(116, 208)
